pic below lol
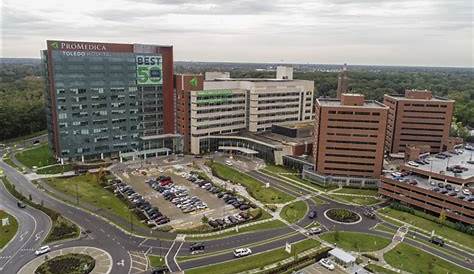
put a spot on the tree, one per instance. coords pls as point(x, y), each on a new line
point(442, 217)
point(204, 219)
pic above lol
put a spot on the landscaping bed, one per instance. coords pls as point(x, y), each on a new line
point(55, 169)
point(7, 232)
point(69, 263)
point(342, 215)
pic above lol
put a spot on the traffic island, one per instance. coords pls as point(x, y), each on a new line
point(69, 263)
point(342, 216)
point(71, 260)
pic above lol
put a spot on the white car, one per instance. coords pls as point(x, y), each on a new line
point(411, 163)
point(327, 264)
point(466, 191)
point(314, 231)
point(42, 250)
point(227, 162)
point(242, 252)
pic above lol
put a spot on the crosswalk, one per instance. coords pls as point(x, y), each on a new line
point(139, 262)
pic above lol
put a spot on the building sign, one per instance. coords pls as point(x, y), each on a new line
point(149, 69)
point(77, 46)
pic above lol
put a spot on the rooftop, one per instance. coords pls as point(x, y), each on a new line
point(342, 255)
point(256, 79)
point(332, 102)
point(438, 165)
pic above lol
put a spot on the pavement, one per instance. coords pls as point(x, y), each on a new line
point(103, 260)
point(127, 251)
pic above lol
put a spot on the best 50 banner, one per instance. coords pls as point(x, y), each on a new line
point(149, 70)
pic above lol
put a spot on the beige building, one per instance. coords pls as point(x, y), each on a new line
point(229, 105)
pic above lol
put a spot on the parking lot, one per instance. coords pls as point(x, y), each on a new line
point(207, 203)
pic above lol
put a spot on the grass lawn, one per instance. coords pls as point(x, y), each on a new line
point(91, 192)
point(254, 187)
point(294, 211)
point(263, 226)
point(279, 169)
point(38, 156)
point(156, 261)
point(358, 191)
point(54, 169)
point(414, 260)
point(9, 231)
point(254, 261)
point(307, 183)
point(443, 231)
point(355, 199)
point(355, 241)
point(379, 269)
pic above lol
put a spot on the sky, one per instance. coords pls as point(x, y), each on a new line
point(378, 32)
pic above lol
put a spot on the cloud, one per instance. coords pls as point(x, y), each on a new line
point(413, 32)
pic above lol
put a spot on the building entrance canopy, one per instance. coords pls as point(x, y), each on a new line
point(239, 149)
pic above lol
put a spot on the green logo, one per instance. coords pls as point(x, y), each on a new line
point(194, 82)
point(55, 45)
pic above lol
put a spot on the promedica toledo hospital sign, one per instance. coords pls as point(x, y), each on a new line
point(149, 69)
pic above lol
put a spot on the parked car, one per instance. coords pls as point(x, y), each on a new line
point(413, 164)
point(327, 263)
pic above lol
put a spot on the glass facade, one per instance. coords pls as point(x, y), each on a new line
point(100, 109)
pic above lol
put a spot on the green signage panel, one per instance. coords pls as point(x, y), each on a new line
point(149, 70)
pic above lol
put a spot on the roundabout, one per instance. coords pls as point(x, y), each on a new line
point(77, 260)
point(343, 216)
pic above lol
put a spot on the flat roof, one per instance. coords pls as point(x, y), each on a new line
point(303, 124)
point(439, 165)
point(332, 102)
point(401, 97)
point(256, 80)
point(342, 255)
point(241, 149)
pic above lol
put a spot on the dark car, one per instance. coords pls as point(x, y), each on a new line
point(244, 207)
point(213, 223)
point(20, 204)
point(220, 194)
point(220, 222)
point(437, 241)
point(449, 187)
point(160, 270)
point(196, 247)
point(233, 220)
point(440, 185)
point(244, 215)
point(312, 214)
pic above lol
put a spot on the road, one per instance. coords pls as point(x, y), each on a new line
point(119, 243)
point(33, 227)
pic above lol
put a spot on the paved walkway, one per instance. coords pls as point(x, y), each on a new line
point(103, 260)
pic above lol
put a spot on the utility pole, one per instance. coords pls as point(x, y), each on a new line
point(77, 195)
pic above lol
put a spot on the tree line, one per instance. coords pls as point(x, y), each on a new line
point(22, 108)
